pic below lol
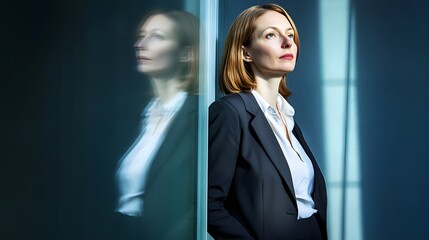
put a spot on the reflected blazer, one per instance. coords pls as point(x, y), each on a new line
point(170, 193)
point(250, 189)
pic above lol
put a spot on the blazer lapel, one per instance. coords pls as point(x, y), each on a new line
point(183, 120)
point(318, 177)
point(298, 134)
point(267, 139)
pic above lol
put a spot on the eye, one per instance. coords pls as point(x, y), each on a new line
point(157, 36)
point(270, 35)
point(291, 35)
point(141, 37)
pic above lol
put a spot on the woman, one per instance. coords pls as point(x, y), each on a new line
point(157, 176)
point(264, 182)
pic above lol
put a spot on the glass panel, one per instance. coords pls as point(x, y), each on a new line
point(340, 109)
point(102, 136)
point(157, 179)
point(208, 20)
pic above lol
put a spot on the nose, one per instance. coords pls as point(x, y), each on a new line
point(140, 43)
point(287, 42)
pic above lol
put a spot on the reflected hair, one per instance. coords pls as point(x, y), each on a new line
point(187, 30)
point(236, 75)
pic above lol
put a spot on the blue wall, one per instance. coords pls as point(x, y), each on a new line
point(392, 63)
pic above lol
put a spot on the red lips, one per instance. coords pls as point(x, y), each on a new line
point(287, 56)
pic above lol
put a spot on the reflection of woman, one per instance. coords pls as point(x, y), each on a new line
point(156, 177)
point(264, 182)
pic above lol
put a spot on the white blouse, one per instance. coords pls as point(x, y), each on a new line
point(299, 163)
point(134, 168)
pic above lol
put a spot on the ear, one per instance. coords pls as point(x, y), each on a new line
point(187, 55)
point(245, 54)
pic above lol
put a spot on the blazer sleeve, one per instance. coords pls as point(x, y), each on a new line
point(224, 142)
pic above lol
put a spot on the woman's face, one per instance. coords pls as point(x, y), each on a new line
point(272, 51)
point(157, 47)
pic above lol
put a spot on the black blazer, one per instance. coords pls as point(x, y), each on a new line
point(170, 194)
point(250, 191)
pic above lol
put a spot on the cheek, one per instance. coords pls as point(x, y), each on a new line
point(168, 53)
point(295, 48)
point(263, 52)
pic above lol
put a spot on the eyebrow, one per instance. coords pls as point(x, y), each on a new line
point(275, 28)
point(151, 30)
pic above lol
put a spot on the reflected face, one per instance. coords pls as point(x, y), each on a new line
point(157, 47)
point(272, 51)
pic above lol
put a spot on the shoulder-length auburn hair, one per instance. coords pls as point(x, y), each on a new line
point(236, 75)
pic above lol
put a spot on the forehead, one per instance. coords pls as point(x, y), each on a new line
point(272, 19)
point(158, 22)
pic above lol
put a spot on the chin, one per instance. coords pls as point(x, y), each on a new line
point(285, 71)
point(288, 69)
point(139, 68)
point(143, 69)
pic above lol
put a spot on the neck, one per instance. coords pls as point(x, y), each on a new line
point(165, 89)
point(268, 88)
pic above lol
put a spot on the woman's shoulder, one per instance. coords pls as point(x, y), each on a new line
point(228, 110)
point(228, 104)
point(234, 99)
